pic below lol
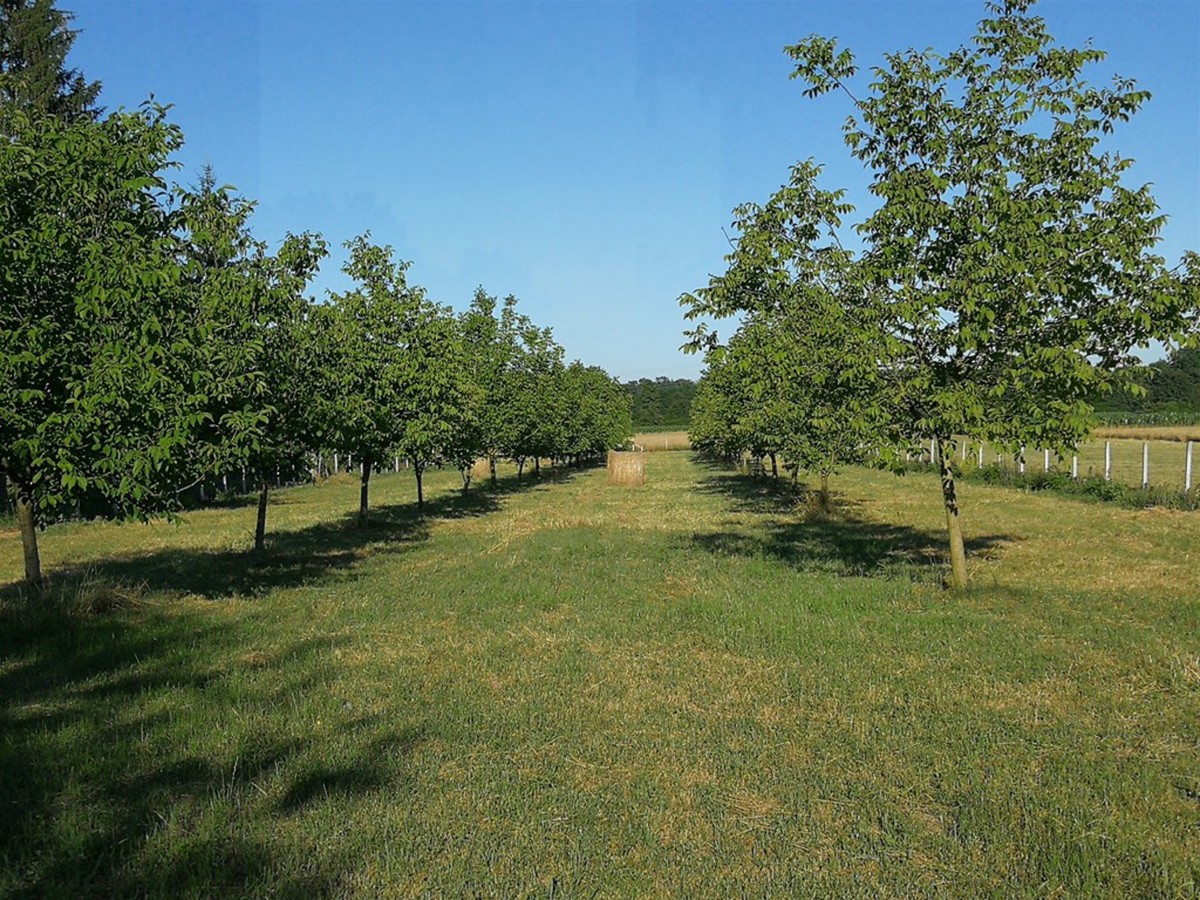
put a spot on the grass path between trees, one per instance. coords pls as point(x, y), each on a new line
point(565, 689)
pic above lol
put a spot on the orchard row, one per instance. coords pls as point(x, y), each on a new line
point(149, 342)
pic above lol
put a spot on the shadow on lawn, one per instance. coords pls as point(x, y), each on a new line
point(158, 755)
point(111, 782)
point(840, 541)
point(291, 558)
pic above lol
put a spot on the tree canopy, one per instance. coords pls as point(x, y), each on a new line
point(1008, 271)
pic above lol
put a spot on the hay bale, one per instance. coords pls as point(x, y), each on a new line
point(626, 468)
point(481, 470)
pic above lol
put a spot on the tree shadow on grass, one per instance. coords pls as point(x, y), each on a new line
point(140, 759)
point(838, 540)
point(292, 558)
point(111, 782)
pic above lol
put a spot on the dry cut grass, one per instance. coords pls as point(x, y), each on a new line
point(1149, 432)
point(651, 441)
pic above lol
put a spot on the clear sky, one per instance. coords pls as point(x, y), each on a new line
point(584, 156)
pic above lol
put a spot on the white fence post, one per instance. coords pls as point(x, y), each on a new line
point(1075, 467)
point(1045, 460)
point(1108, 460)
point(1187, 469)
point(397, 462)
point(335, 464)
point(1145, 465)
point(1021, 461)
point(981, 454)
point(933, 448)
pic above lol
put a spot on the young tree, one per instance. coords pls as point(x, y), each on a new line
point(806, 356)
point(35, 39)
point(367, 369)
point(597, 413)
point(713, 419)
point(531, 413)
point(1008, 271)
point(91, 319)
point(437, 400)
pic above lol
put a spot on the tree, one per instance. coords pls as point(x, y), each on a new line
point(490, 347)
point(597, 411)
point(35, 39)
point(534, 411)
point(366, 369)
point(91, 319)
point(713, 416)
point(437, 399)
point(1008, 271)
point(803, 364)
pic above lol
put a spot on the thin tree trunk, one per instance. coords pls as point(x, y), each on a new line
point(520, 467)
point(537, 466)
point(260, 527)
point(492, 468)
point(363, 493)
point(29, 538)
point(824, 494)
point(465, 472)
point(958, 554)
point(420, 470)
point(774, 467)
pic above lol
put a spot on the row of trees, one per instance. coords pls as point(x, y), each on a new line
point(1006, 275)
point(149, 342)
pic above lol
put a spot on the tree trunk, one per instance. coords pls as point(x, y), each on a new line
point(774, 467)
point(520, 467)
point(420, 470)
point(362, 494)
point(823, 497)
point(537, 466)
point(29, 538)
point(958, 554)
point(465, 472)
point(492, 468)
point(260, 527)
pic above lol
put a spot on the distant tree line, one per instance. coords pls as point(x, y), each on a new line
point(660, 402)
point(1171, 385)
point(150, 344)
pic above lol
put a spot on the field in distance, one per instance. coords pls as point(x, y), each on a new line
point(668, 439)
point(693, 687)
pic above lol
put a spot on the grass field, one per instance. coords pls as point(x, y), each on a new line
point(652, 441)
point(565, 689)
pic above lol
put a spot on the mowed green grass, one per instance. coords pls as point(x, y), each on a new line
point(569, 689)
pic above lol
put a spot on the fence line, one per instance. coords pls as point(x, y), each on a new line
point(1145, 464)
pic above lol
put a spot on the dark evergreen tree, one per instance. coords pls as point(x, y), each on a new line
point(35, 39)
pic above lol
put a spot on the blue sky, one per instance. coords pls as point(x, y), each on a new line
point(583, 156)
